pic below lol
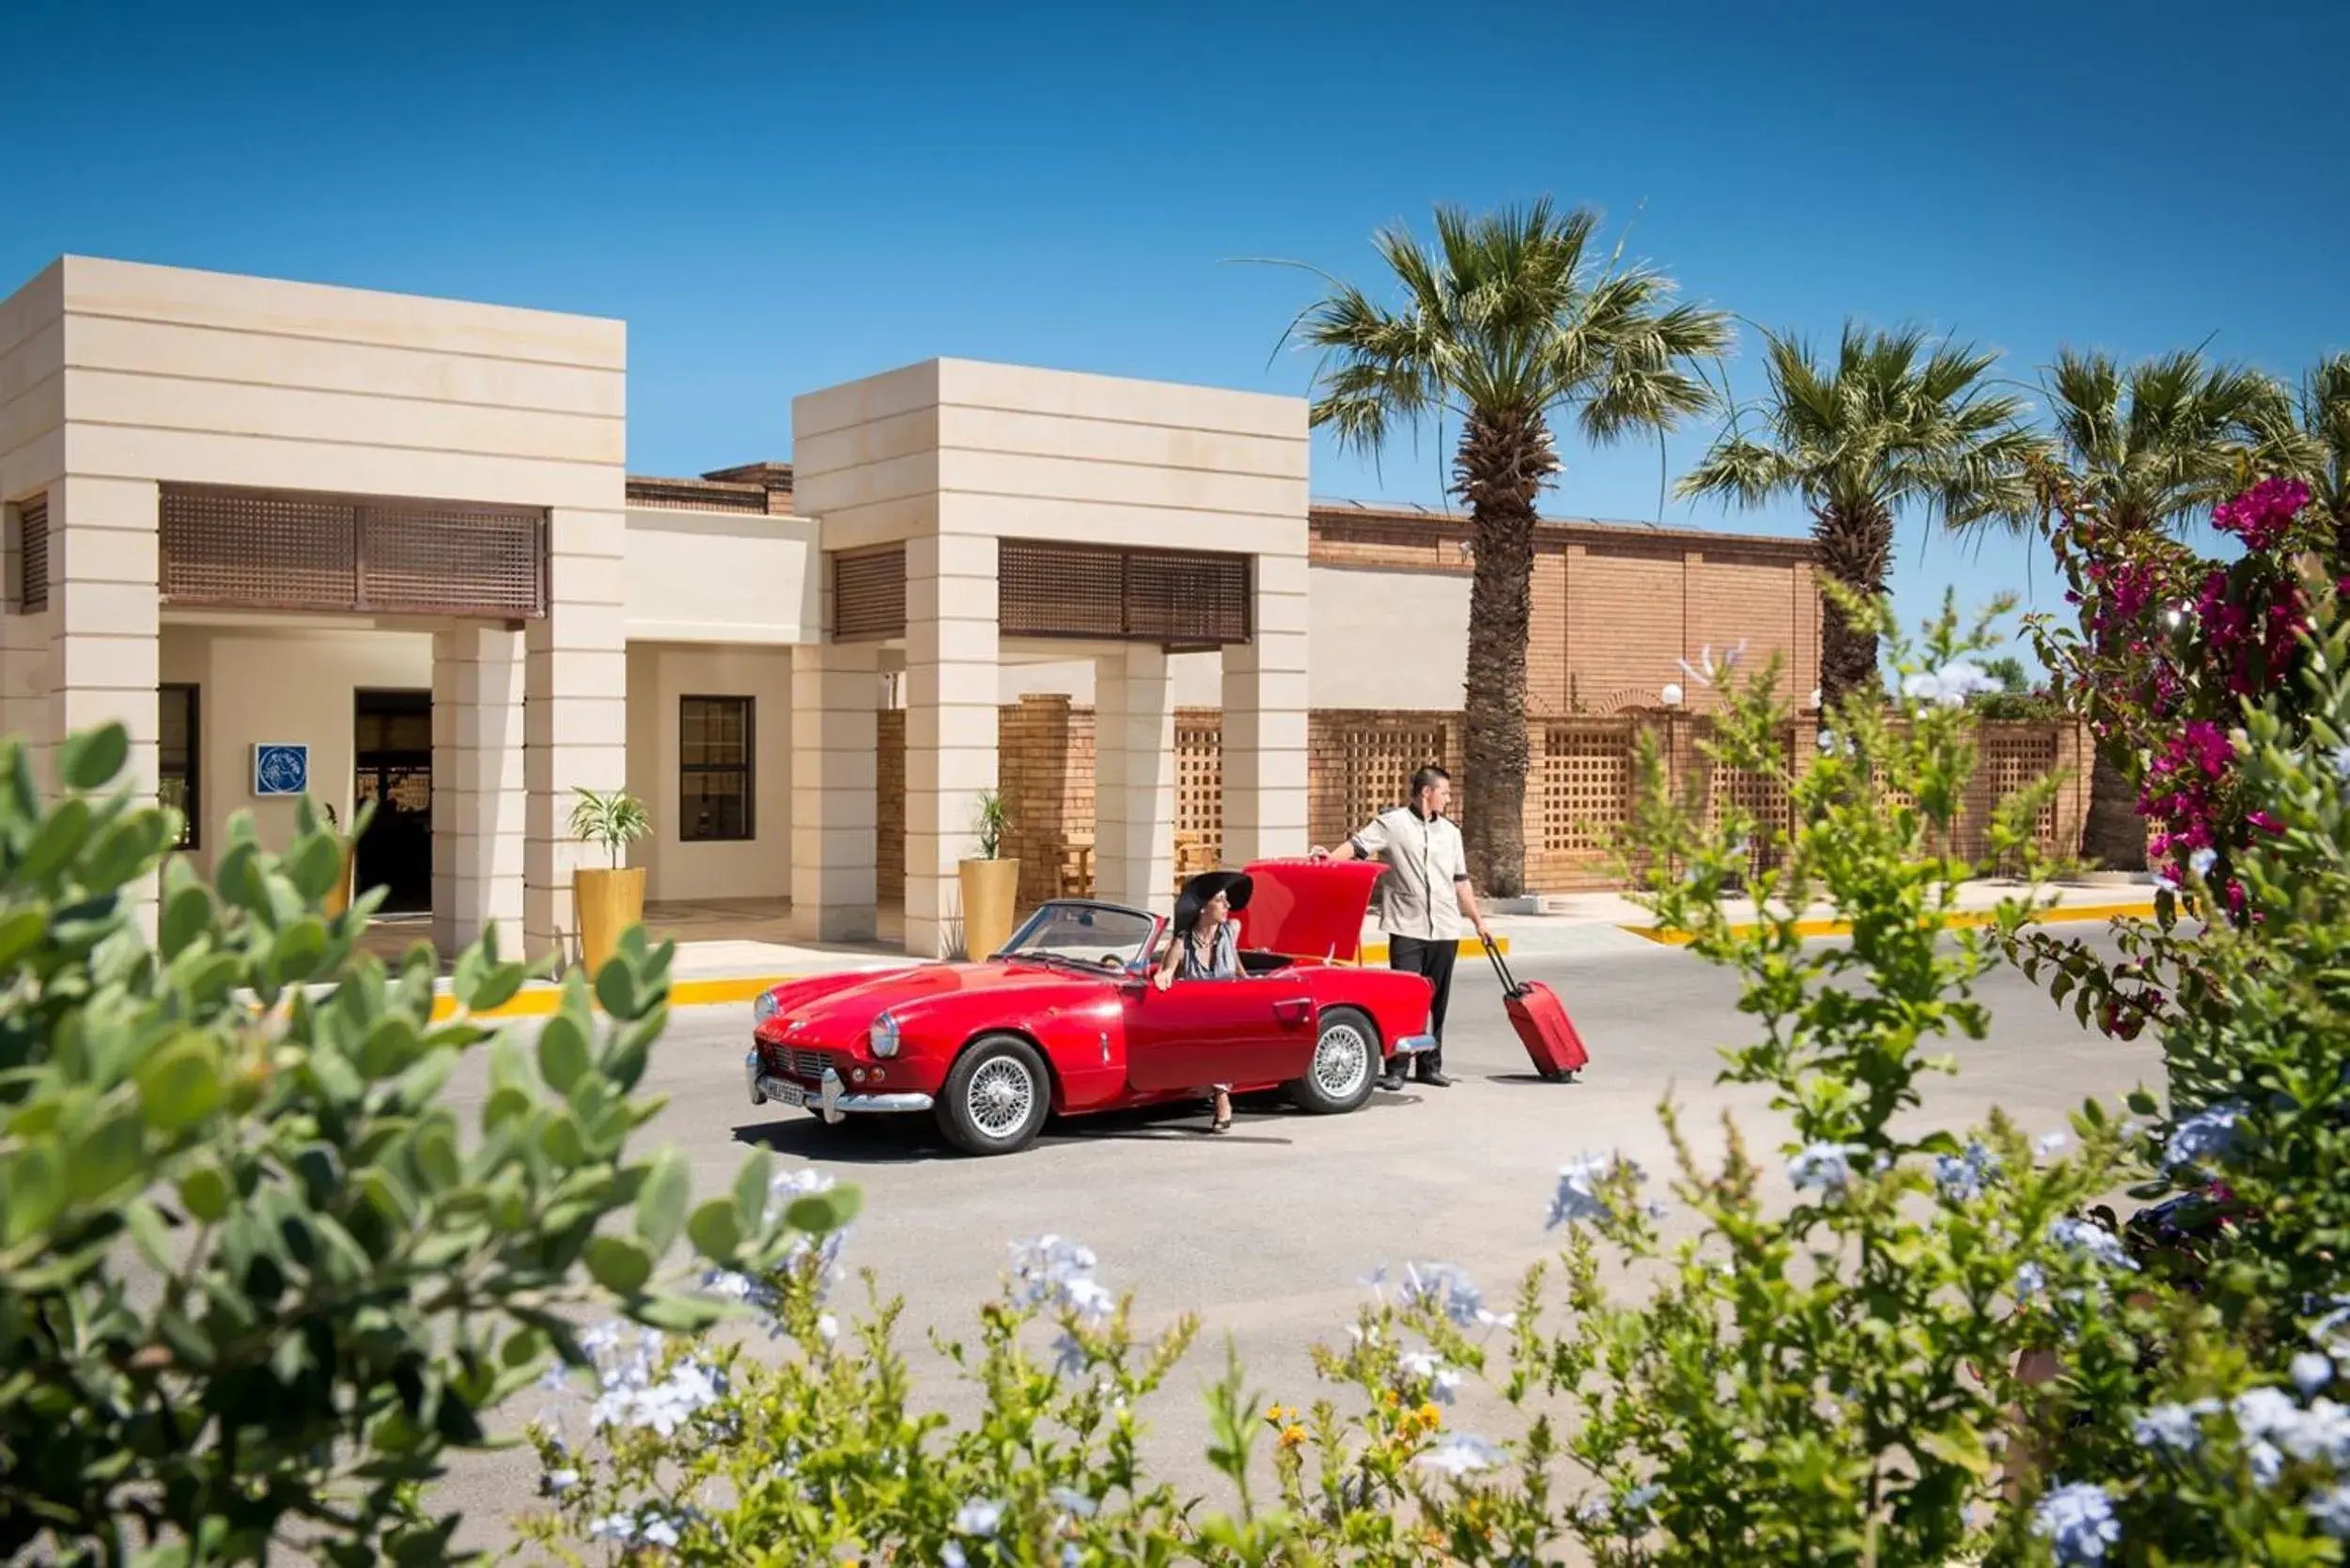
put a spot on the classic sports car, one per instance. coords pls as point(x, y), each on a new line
point(1065, 1020)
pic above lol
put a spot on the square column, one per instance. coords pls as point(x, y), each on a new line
point(952, 691)
point(104, 627)
point(577, 722)
point(478, 791)
point(1134, 772)
point(1264, 719)
point(836, 695)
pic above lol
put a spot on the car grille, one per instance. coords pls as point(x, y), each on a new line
point(798, 1061)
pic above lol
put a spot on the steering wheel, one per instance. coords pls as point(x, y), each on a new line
point(1111, 961)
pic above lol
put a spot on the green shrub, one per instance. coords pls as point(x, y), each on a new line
point(256, 1281)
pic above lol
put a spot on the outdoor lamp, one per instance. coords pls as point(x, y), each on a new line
point(1672, 695)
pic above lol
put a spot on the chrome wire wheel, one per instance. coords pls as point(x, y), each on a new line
point(1000, 1098)
point(1341, 1060)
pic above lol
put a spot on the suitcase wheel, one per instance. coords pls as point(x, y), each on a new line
point(1565, 1076)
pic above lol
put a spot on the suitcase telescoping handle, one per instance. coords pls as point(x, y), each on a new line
point(1509, 981)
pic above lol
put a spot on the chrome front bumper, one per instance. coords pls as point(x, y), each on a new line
point(1413, 1044)
point(829, 1099)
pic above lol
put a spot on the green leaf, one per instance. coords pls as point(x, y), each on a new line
point(122, 850)
point(315, 866)
point(562, 1054)
point(54, 848)
point(205, 1192)
point(829, 1210)
point(31, 1191)
point(89, 761)
point(179, 1085)
point(436, 1156)
point(617, 990)
point(19, 931)
point(619, 1264)
point(661, 1204)
point(752, 1184)
point(187, 915)
point(149, 1234)
point(300, 950)
point(677, 1314)
point(107, 1156)
point(714, 1230)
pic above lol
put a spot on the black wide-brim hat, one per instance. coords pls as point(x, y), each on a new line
point(1234, 885)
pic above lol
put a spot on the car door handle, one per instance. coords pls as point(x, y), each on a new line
point(1291, 1014)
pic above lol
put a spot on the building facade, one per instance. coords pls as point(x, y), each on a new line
point(386, 548)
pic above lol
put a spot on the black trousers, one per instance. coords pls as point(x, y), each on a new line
point(1435, 960)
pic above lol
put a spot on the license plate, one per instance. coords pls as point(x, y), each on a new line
point(786, 1093)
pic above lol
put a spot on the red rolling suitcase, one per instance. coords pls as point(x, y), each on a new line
point(1541, 1021)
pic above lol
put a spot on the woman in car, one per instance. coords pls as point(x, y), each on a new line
point(1203, 943)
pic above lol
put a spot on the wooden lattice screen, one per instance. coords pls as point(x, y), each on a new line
point(33, 555)
point(1175, 597)
point(1361, 763)
point(2007, 759)
point(889, 769)
point(283, 551)
point(1762, 797)
point(869, 594)
point(1199, 813)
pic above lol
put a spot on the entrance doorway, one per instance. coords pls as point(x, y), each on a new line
point(393, 748)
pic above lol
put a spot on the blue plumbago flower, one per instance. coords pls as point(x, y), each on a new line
point(1072, 1501)
point(1458, 1454)
point(2331, 1332)
point(1963, 1176)
point(1824, 1167)
point(2323, 1432)
point(2266, 1462)
point(2031, 1280)
point(1447, 1288)
point(1424, 1366)
point(659, 1531)
point(2204, 1137)
point(950, 1556)
point(555, 1483)
point(2264, 1413)
point(1577, 1196)
point(2329, 1510)
point(979, 1516)
point(1638, 1497)
point(2086, 1238)
point(612, 1526)
point(2174, 1428)
point(2202, 860)
point(781, 1193)
point(2341, 761)
point(2077, 1520)
point(2049, 1142)
point(1829, 740)
point(1058, 1273)
point(2312, 1373)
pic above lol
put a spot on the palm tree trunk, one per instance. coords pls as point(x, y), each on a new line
point(2112, 834)
point(1499, 470)
point(1854, 547)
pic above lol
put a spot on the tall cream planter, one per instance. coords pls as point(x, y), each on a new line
point(607, 899)
point(990, 889)
point(991, 886)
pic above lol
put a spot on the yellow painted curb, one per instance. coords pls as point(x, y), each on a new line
point(539, 1000)
point(1375, 953)
point(2140, 909)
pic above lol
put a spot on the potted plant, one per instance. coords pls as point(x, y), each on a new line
point(990, 885)
point(609, 901)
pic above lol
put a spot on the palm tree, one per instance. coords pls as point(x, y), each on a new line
point(2322, 450)
point(2155, 446)
point(1509, 323)
point(1896, 424)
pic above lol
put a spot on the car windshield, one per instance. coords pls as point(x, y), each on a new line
point(1095, 935)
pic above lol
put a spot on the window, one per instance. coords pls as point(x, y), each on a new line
point(715, 770)
point(179, 765)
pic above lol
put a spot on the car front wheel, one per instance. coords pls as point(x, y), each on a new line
point(996, 1098)
point(1345, 1058)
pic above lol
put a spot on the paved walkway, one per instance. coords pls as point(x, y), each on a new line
point(733, 968)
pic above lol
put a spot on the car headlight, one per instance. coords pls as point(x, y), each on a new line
point(763, 1007)
point(881, 1039)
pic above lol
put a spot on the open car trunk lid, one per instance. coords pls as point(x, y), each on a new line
point(1308, 908)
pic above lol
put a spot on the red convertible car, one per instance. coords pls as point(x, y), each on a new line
point(1066, 1021)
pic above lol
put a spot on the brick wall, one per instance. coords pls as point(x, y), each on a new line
point(1613, 608)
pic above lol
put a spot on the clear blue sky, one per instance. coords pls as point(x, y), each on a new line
point(777, 200)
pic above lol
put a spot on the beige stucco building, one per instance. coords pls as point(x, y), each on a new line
point(263, 523)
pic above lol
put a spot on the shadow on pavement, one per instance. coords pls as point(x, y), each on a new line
point(905, 1140)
